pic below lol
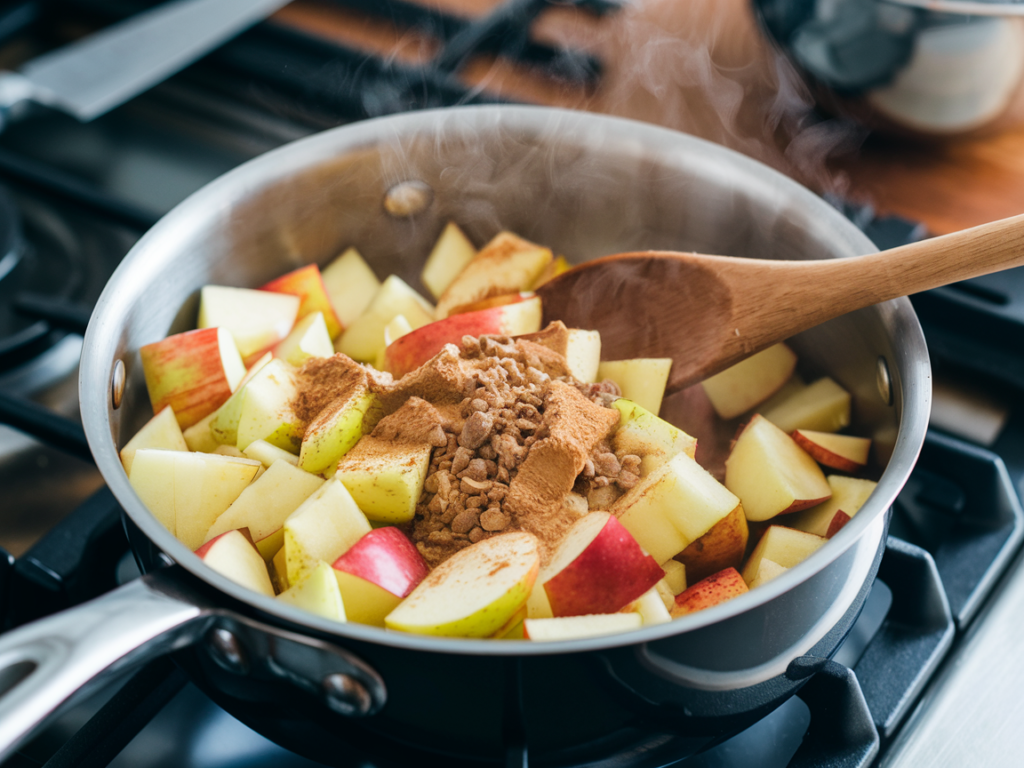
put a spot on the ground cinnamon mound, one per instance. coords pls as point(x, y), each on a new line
point(325, 380)
point(516, 444)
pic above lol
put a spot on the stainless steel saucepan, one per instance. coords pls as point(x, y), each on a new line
point(587, 186)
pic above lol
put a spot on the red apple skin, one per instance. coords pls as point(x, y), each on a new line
point(824, 456)
point(611, 572)
point(185, 371)
point(417, 347)
point(796, 506)
point(715, 589)
point(387, 558)
point(838, 521)
point(205, 549)
point(307, 283)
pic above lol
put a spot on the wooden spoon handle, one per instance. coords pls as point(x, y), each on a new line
point(807, 293)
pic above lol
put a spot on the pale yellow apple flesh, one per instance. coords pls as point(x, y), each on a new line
point(309, 338)
point(676, 504)
point(750, 382)
point(651, 608)
point(675, 576)
point(363, 340)
point(823, 406)
point(187, 492)
point(848, 495)
point(199, 437)
point(162, 431)
point(651, 438)
point(474, 592)
point(256, 319)
point(233, 555)
point(267, 454)
point(317, 592)
point(266, 504)
point(581, 349)
point(766, 571)
point(449, 256)
point(385, 479)
point(267, 412)
point(784, 546)
point(350, 284)
point(507, 264)
point(323, 527)
point(576, 627)
point(557, 266)
point(223, 422)
point(641, 379)
point(771, 474)
point(339, 427)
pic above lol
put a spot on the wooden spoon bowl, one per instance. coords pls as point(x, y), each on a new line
point(708, 312)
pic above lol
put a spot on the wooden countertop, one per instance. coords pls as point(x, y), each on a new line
point(702, 66)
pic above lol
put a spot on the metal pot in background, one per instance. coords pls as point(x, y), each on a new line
point(924, 67)
point(587, 186)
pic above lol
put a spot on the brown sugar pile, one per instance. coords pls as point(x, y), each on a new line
point(523, 434)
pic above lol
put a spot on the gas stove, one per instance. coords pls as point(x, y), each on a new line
point(73, 200)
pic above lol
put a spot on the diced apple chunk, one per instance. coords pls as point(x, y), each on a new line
point(675, 576)
point(449, 256)
point(581, 349)
point(575, 627)
point(267, 454)
point(713, 590)
point(416, 347)
point(199, 437)
point(267, 412)
point(771, 474)
point(266, 504)
point(364, 338)
point(752, 381)
point(193, 372)
point(651, 438)
point(766, 571)
point(474, 592)
point(377, 573)
point(641, 379)
point(557, 266)
point(323, 528)
point(308, 285)
point(232, 554)
point(309, 338)
point(784, 546)
point(676, 504)
point(384, 478)
point(317, 592)
point(823, 406)
point(224, 421)
point(507, 264)
point(723, 546)
point(340, 426)
point(256, 319)
point(187, 492)
point(351, 285)
point(843, 452)
point(162, 431)
point(848, 495)
point(651, 608)
point(598, 567)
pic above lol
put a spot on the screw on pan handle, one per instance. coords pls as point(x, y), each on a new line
point(345, 683)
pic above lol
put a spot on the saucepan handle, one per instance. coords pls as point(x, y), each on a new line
point(42, 664)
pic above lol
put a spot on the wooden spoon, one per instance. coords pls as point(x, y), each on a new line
point(708, 312)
